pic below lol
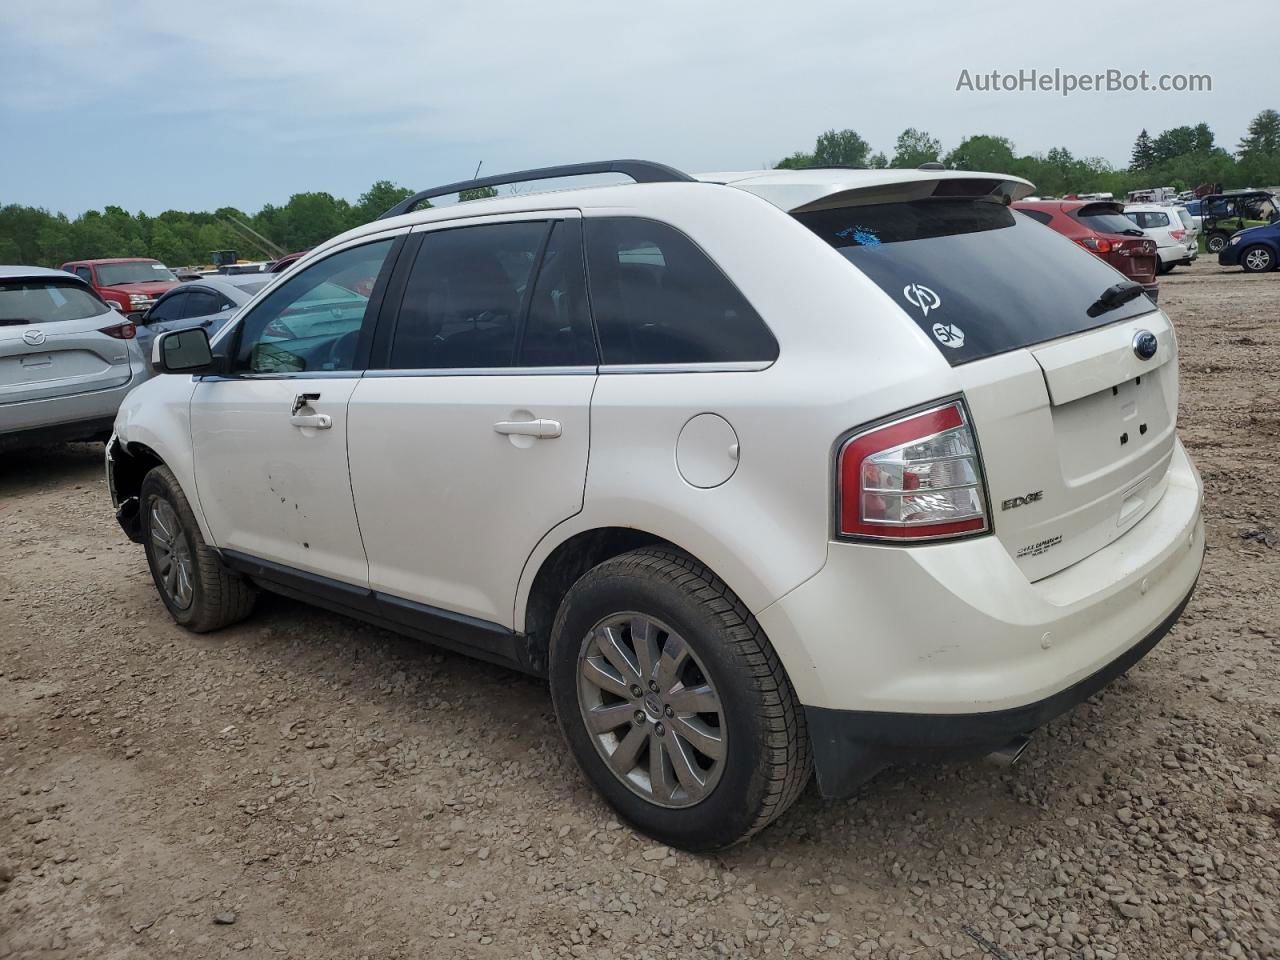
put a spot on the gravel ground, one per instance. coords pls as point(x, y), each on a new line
point(305, 786)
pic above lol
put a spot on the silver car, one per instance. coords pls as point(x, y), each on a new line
point(66, 359)
point(208, 302)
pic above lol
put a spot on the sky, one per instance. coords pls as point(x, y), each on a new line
point(160, 104)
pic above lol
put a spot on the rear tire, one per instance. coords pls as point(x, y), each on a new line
point(1167, 268)
point(1216, 243)
point(691, 696)
point(1257, 259)
point(199, 590)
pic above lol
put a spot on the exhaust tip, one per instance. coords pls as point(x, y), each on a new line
point(1010, 753)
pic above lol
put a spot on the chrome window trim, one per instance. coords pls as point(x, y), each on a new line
point(586, 370)
point(725, 366)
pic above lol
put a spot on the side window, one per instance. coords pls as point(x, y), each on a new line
point(313, 320)
point(658, 299)
point(84, 274)
point(169, 308)
point(1039, 216)
point(465, 295)
point(201, 303)
point(558, 330)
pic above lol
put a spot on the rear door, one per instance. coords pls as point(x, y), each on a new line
point(1073, 408)
point(471, 442)
point(52, 344)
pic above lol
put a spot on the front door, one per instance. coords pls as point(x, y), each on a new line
point(270, 440)
point(471, 442)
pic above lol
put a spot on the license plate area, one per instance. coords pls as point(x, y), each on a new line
point(1107, 430)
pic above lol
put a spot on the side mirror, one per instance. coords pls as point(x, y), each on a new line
point(115, 306)
point(182, 351)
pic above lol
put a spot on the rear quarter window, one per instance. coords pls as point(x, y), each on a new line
point(658, 299)
point(974, 276)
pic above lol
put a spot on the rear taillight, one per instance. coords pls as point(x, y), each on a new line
point(1096, 244)
point(121, 331)
point(1177, 234)
point(917, 478)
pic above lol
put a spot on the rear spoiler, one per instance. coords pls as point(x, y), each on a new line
point(809, 190)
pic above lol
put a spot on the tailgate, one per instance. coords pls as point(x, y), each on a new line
point(38, 365)
point(1076, 438)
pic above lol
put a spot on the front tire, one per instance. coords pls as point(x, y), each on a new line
point(674, 703)
point(1257, 259)
point(1216, 243)
point(198, 589)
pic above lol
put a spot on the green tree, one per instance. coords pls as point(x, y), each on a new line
point(878, 161)
point(1144, 152)
point(1180, 141)
point(1263, 138)
point(797, 161)
point(479, 193)
point(378, 199)
point(915, 147)
point(983, 152)
point(841, 148)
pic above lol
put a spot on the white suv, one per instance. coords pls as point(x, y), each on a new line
point(1173, 230)
point(768, 473)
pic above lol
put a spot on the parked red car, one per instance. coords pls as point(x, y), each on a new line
point(131, 283)
point(1101, 227)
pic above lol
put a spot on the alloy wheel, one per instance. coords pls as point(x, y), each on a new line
point(1258, 259)
point(652, 710)
point(172, 552)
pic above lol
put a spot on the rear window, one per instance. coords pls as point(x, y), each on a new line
point(1104, 219)
point(1185, 217)
point(27, 302)
point(977, 278)
point(1147, 219)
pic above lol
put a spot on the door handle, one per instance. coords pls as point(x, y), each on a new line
point(317, 421)
point(542, 429)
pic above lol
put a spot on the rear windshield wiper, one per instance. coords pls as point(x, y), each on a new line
point(1116, 296)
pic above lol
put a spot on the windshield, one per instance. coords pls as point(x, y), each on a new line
point(138, 271)
point(26, 302)
point(975, 277)
point(1105, 220)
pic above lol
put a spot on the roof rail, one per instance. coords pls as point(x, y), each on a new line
point(641, 171)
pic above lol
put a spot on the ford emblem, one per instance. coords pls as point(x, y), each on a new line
point(1145, 344)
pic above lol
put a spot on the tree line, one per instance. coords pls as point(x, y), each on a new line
point(1182, 157)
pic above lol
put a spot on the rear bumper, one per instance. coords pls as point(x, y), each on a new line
point(58, 418)
point(95, 428)
point(850, 746)
point(955, 632)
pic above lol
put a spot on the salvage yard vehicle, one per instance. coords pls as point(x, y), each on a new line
point(208, 302)
point(1171, 229)
point(1257, 249)
point(132, 283)
point(67, 359)
point(1101, 227)
point(769, 473)
point(1223, 214)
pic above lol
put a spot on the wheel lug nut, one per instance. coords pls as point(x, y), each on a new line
point(653, 685)
point(668, 711)
point(638, 716)
point(635, 690)
point(659, 729)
